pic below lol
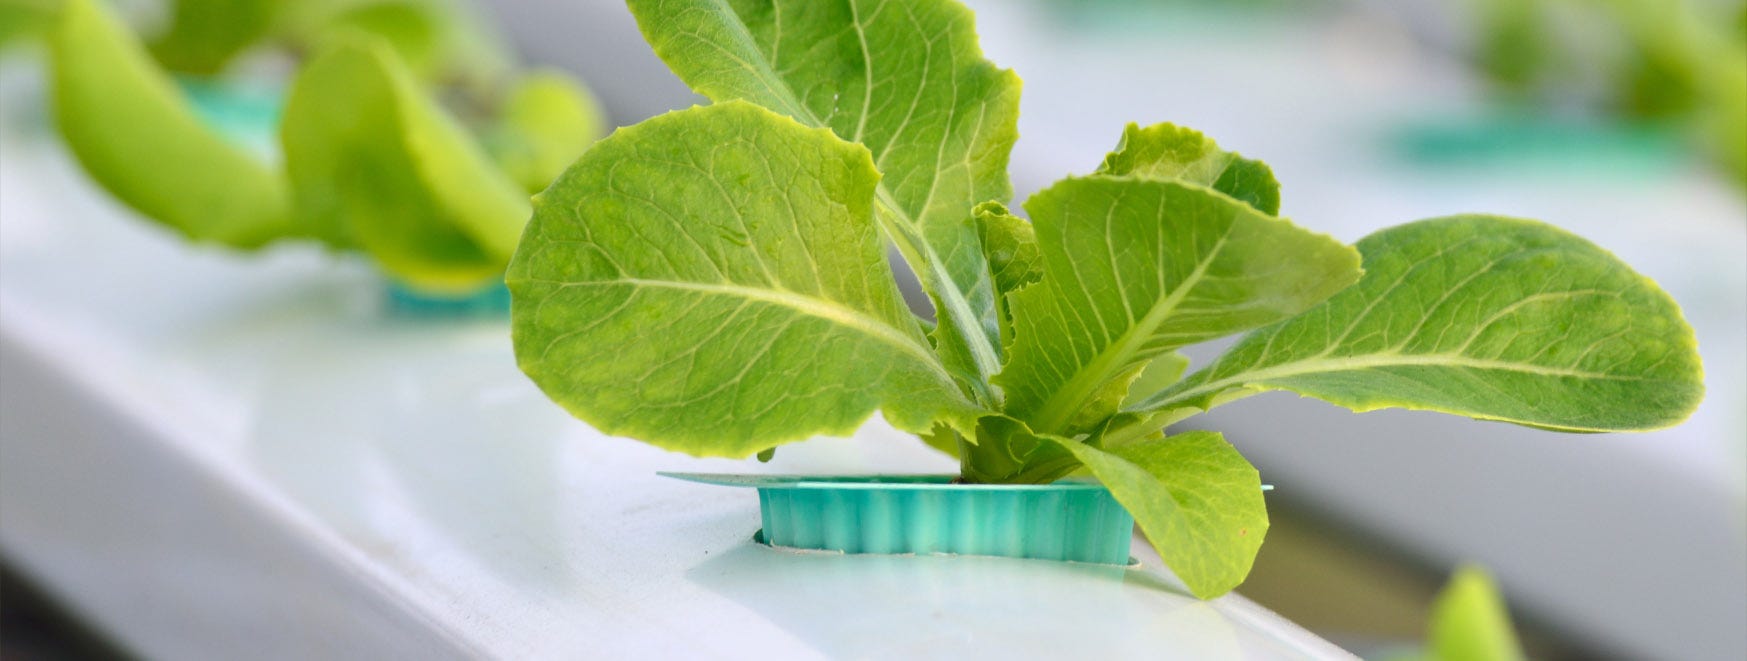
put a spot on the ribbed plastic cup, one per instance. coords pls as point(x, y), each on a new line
point(1068, 520)
point(493, 300)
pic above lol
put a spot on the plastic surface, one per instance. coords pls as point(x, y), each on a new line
point(924, 514)
point(493, 300)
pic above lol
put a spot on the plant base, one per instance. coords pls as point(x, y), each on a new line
point(1068, 520)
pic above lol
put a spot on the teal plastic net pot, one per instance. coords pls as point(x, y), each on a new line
point(493, 300)
point(244, 111)
point(1068, 520)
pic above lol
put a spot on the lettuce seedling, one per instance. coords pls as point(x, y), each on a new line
point(1469, 621)
point(1677, 62)
point(714, 281)
point(371, 161)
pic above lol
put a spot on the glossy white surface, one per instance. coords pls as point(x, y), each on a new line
point(216, 456)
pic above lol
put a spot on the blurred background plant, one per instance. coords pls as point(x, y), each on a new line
point(1678, 66)
point(404, 130)
point(1608, 547)
point(1469, 622)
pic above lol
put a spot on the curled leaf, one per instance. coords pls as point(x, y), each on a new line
point(138, 137)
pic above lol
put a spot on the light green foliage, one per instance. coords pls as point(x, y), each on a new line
point(440, 40)
point(1168, 151)
point(1724, 110)
point(1487, 317)
point(904, 78)
point(138, 137)
point(1010, 244)
point(1469, 622)
point(712, 281)
point(546, 122)
point(1136, 267)
point(1673, 63)
point(1196, 499)
point(377, 165)
point(372, 161)
point(1513, 48)
point(1666, 45)
point(1006, 451)
point(26, 20)
point(1014, 262)
point(410, 29)
point(1163, 372)
point(204, 35)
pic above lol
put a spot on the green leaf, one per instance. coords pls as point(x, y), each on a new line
point(204, 35)
point(26, 20)
point(1161, 373)
point(377, 164)
point(1198, 501)
point(1469, 622)
point(1513, 49)
point(712, 281)
point(411, 29)
point(1009, 248)
point(1137, 267)
point(1168, 151)
point(547, 121)
point(1006, 451)
point(135, 134)
point(1724, 117)
point(1010, 245)
point(1482, 316)
point(943, 438)
point(443, 42)
point(907, 80)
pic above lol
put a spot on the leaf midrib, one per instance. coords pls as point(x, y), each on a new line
point(823, 308)
point(1061, 406)
point(907, 233)
point(1369, 361)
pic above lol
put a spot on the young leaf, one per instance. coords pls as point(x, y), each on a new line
point(1168, 151)
point(137, 136)
point(546, 122)
point(1008, 452)
point(1470, 622)
point(205, 35)
point(1133, 268)
point(1198, 501)
point(712, 281)
point(1482, 316)
point(907, 80)
point(1009, 247)
point(377, 164)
